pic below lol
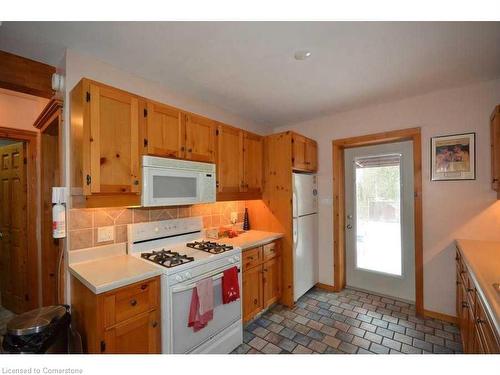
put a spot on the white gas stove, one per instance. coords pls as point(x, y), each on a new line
point(179, 249)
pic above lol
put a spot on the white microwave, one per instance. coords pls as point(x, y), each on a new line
point(172, 182)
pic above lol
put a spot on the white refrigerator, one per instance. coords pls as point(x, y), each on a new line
point(305, 233)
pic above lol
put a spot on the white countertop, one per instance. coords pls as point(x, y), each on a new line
point(483, 261)
point(107, 273)
point(251, 238)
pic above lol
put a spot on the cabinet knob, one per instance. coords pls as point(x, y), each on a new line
point(136, 182)
point(144, 286)
point(255, 301)
point(470, 289)
point(190, 150)
point(133, 302)
point(465, 304)
point(480, 321)
point(155, 324)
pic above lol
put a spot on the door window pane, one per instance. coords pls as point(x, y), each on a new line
point(378, 214)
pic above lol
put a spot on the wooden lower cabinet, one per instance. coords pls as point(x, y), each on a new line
point(252, 292)
point(261, 278)
point(476, 329)
point(122, 321)
point(136, 335)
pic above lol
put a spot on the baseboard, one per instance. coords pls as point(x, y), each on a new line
point(441, 316)
point(327, 287)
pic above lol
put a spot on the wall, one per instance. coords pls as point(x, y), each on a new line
point(83, 223)
point(18, 110)
point(451, 209)
point(79, 65)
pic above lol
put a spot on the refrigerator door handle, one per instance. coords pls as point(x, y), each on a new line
point(295, 205)
point(295, 233)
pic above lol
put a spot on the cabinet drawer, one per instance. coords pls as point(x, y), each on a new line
point(130, 301)
point(252, 257)
point(486, 333)
point(271, 250)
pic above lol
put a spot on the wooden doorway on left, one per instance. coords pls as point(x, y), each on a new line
point(18, 249)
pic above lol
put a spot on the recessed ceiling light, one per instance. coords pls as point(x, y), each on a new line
point(302, 55)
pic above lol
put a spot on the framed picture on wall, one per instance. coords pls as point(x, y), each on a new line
point(453, 157)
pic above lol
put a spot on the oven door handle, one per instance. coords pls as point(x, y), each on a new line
point(193, 285)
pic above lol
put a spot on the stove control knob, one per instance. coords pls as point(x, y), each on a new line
point(187, 275)
point(230, 260)
point(179, 278)
point(237, 258)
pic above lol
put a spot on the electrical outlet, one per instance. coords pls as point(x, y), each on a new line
point(105, 234)
point(234, 217)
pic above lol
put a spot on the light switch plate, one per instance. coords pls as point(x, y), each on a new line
point(105, 234)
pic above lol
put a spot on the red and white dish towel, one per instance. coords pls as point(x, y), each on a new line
point(202, 304)
point(230, 285)
point(201, 310)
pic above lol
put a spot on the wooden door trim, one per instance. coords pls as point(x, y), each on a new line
point(20, 74)
point(50, 114)
point(30, 137)
point(338, 147)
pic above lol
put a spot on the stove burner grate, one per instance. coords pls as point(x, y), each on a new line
point(167, 258)
point(209, 247)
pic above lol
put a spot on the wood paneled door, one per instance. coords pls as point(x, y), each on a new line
point(253, 149)
point(304, 153)
point(113, 141)
point(200, 138)
point(13, 225)
point(229, 163)
point(164, 130)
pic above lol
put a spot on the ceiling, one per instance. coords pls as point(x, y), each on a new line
point(248, 68)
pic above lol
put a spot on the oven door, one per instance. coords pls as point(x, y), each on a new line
point(170, 187)
point(183, 338)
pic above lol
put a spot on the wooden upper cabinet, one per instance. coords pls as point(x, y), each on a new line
point(253, 147)
point(311, 155)
point(495, 150)
point(304, 153)
point(200, 138)
point(229, 164)
point(109, 139)
point(299, 151)
point(164, 130)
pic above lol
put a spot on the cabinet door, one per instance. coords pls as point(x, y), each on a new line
point(272, 281)
point(229, 159)
point(164, 133)
point(139, 335)
point(200, 138)
point(299, 152)
point(311, 155)
point(252, 292)
point(252, 163)
point(495, 151)
point(113, 142)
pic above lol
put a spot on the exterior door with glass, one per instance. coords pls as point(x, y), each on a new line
point(379, 233)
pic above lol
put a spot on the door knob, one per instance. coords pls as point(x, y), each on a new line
point(349, 226)
point(1, 235)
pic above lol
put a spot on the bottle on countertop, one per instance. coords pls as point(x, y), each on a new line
point(246, 221)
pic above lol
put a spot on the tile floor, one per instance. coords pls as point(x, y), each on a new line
point(347, 322)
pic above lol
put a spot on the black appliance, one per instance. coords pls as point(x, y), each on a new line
point(43, 330)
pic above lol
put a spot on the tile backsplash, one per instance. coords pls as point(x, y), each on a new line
point(83, 223)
